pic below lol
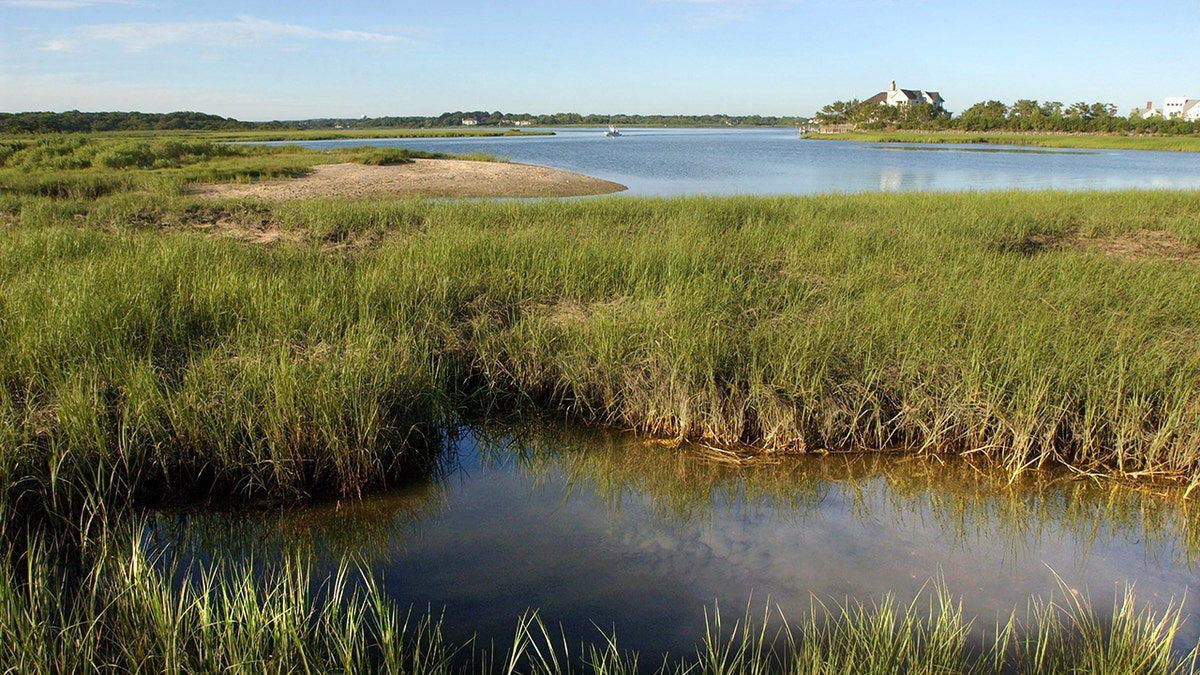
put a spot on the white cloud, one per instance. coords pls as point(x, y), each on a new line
point(246, 31)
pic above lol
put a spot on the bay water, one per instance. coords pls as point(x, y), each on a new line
point(669, 162)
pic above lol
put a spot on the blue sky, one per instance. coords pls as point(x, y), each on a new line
point(345, 58)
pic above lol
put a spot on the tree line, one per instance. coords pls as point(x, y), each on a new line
point(497, 118)
point(74, 121)
point(1026, 115)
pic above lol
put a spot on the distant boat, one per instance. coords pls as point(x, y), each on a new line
point(612, 131)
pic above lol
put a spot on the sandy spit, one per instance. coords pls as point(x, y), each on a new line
point(422, 178)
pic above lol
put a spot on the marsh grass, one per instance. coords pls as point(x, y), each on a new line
point(125, 615)
point(1010, 326)
point(127, 612)
point(193, 380)
point(87, 167)
point(145, 358)
point(1049, 140)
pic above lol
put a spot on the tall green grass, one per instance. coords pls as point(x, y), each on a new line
point(126, 613)
point(87, 167)
point(1022, 327)
point(150, 368)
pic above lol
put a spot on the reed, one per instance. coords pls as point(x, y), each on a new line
point(125, 616)
point(128, 612)
point(1035, 329)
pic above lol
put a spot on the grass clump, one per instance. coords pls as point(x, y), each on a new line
point(391, 156)
point(124, 616)
point(126, 612)
point(397, 156)
point(384, 157)
point(1036, 329)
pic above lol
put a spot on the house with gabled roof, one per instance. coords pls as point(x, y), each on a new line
point(1148, 112)
point(904, 97)
point(1182, 108)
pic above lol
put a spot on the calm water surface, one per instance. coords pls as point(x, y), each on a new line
point(598, 530)
point(777, 162)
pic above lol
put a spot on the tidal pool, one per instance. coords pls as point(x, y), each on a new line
point(603, 533)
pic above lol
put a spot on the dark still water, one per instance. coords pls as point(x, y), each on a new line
point(598, 531)
point(777, 162)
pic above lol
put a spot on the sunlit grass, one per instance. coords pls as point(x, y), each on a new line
point(159, 349)
point(77, 166)
point(1048, 140)
point(1035, 329)
point(127, 613)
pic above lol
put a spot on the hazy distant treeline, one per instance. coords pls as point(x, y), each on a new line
point(75, 121)
point(500, 119)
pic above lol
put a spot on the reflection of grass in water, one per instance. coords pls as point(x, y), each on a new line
point(365, 528)
point(122, 615)
point(968, 500)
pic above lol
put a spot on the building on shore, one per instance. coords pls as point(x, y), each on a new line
point(1187, 109)
point(1148, 112)
point(905, 97)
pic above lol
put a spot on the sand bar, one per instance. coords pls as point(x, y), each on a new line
point(421, 178)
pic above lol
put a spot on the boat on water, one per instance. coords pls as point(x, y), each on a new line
point(612, 131)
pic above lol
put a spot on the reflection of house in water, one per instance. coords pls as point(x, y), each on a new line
point(898, 180)
point(890, 180)
point(905, 97)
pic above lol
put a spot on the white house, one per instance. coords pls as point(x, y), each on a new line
point(902, 97)
point(1184, 108)
point(1148, 112)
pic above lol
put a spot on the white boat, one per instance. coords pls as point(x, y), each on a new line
point(612, 131)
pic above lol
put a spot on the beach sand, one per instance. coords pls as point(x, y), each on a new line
point(421, 178)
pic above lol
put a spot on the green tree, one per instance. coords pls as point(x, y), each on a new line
point(1025, 115)
point(838, 112)
point(984, 116)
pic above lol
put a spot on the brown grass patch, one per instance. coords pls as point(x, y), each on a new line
point(253, 228)
point(1143, 244)
point(1140, 245)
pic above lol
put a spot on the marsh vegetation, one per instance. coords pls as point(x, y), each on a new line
point(158, 349)
point(1167, 143)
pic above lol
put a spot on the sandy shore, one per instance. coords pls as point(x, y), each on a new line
point(422, 178)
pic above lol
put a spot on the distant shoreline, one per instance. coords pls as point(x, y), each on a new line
point(1065, 140)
